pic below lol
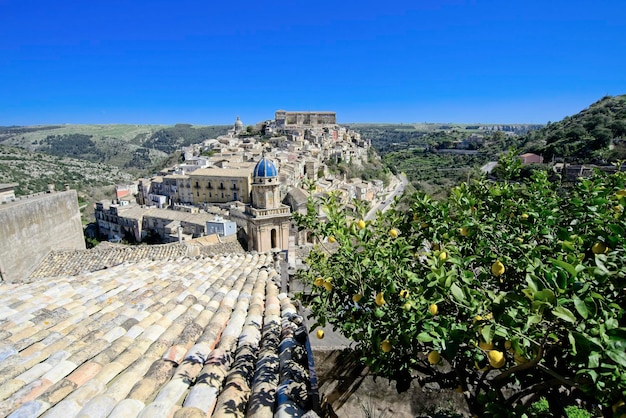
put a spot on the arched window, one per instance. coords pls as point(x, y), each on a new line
point(273, 238)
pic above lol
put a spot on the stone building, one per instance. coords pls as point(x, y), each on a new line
point(288, 120)
point(7, 192)
point(267, 218)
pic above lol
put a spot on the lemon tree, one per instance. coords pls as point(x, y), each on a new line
point(508, 291)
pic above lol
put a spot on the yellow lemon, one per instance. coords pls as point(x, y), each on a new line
point(523, 216)
point(404, 293)
point(361, 224)
point(464, 231)
point(434, 357)
point(497, 268)
point(393, 233)
point(331, 239)
point(356, 298)
point(319, 282)
point(320, 333)
point(328, 285)
point(496, 358)
point(598, 248)
point(380, 299)
point(433, 309)
point(443, 255)
point(386, 346)
point(485, 346)
point(407, 306)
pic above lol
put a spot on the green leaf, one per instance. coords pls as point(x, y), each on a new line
point(564, 313)
point(581, 308)
point(424, 337)
point(594, 359)
point(485, 332)
point(617, 356)
point(457, 293)
point(566, 266)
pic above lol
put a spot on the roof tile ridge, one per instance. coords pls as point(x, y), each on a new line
point(265, 379)
point(239, 378)
point(204, 393)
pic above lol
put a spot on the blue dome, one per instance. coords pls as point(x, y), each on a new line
point(265, 168)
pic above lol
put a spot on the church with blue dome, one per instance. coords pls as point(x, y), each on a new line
point(268, 218)
point(265, 168)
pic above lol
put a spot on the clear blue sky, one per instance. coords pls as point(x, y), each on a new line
point(205, 62)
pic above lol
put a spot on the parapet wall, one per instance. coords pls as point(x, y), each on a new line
point(31, 227)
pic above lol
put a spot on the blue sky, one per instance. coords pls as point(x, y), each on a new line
point(205, 62)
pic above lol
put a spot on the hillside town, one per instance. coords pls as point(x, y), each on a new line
point(243, 185)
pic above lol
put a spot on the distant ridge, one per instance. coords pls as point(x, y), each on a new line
point(595, 134)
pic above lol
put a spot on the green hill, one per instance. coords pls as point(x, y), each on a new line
point(134, 148)
point(33, 171)
point(596, 134)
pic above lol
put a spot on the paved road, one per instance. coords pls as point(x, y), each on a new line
point(402, 182)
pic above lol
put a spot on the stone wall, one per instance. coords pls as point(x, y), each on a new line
point(347, 389)
point(31, 227)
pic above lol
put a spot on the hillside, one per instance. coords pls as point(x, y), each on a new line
point(596, 134)
point(33, 171)
point(134, 148)
point(437, 156)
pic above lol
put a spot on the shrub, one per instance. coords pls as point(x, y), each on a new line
point(517, 286)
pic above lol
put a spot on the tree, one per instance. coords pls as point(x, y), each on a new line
point(518, 287)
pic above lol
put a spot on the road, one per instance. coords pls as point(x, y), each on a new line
point(385, 204)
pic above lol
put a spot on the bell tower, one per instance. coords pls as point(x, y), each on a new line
point(268, 218)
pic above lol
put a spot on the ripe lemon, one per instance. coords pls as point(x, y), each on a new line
point(433, 309)
point(598, 248)
point(356, 298)
point(360, 224)
point(328, 285)
point(497, 268)
point(380, 299)
point(331, 239)
point(434, 357)
point(393, 233)
point(523, 216)
point(464, 231)
point(319, 282)
point(386, 346)
point(404, 293)
point(485, 346)
point(443, 255)
point(320, 333)
point(496, 358)
point(407, 306)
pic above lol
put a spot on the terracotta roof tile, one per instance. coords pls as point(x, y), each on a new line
point(188, 337)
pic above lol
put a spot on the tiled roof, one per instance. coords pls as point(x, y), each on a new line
point(184, 338)
point(71, 263)
point(105, 255)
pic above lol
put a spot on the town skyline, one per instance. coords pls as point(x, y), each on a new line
point(394, 62)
